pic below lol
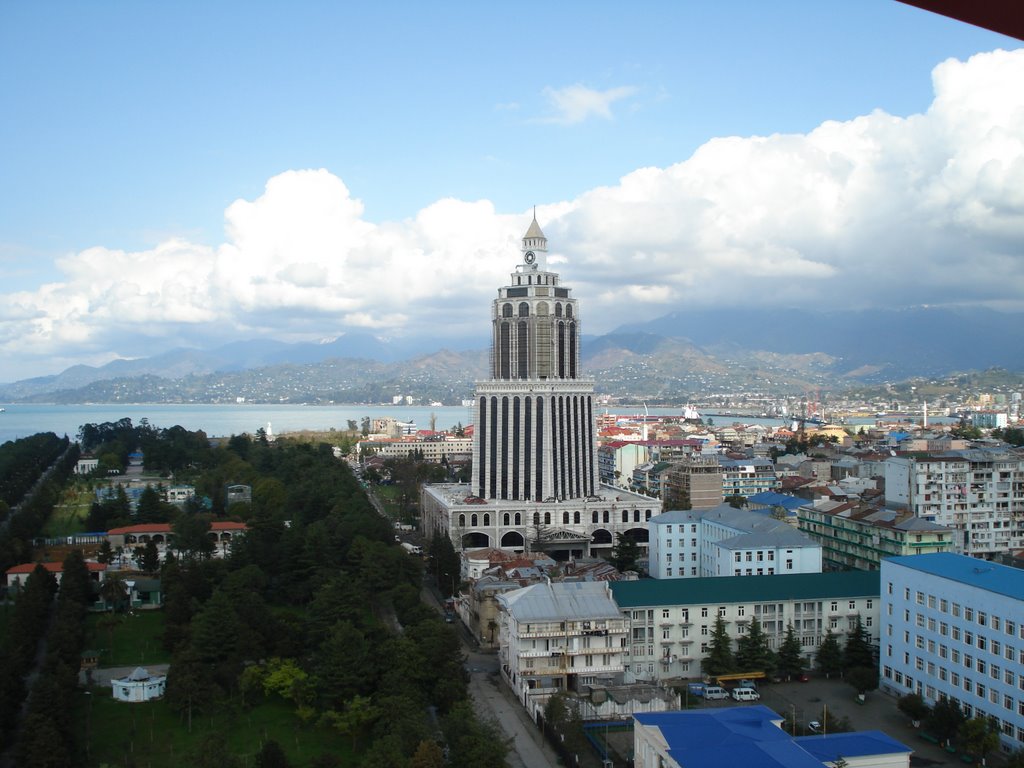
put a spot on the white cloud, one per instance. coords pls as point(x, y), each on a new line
point(878, 210)
point(576, 103)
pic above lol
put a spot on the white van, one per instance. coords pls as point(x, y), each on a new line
point(745, 694)
point(715, 692)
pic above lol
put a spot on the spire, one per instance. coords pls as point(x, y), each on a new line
point(534, 230)
point(534, 239)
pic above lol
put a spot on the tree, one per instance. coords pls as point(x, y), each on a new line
point(862, 679)
point(271, 756)
point(191, 537)
point(944, 720)
point(736, 501)
point(75, 584)
point(150, 559)
point(106, 553)
point(625, 553)
point(359, 714)
point(428, 755)
point(979, 736)
point(830, 655)
point(719, 660)
point(789, 661)
point(858, 651)
point(913, 706)
point(752, 651)
point(114, 591)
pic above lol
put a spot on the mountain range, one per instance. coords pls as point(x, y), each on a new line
point(679, 355)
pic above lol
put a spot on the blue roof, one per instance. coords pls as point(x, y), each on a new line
point(773, 499)
point(750, 737)
point(858, 744)
point(983, 574)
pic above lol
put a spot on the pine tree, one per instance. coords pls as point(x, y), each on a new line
point(720, 660)
point(790, 659)
point(830, 655)
point(752, 651)
point(858, 651)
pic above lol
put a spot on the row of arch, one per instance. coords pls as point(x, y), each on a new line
point(474, 520)
point(516, 540)
point(542, 309)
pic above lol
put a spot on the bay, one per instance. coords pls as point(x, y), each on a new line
point(21, 420)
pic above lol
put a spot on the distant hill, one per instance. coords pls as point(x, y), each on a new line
point(679, 355)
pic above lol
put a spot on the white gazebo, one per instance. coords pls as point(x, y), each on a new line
point(139, 686)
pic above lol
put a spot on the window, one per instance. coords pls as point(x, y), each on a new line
point(664, 613)
point(969, 614)
point(704, 612)
point(834, 606)
point(853, 605)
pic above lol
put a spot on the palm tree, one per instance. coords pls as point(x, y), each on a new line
point(114, 591)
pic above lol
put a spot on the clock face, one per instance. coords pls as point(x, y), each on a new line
point(530, 257)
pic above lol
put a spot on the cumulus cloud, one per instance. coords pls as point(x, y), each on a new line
point(576, 103)
point(878, 210)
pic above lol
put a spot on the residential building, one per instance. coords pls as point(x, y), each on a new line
point(560, 637)
point(433, 449)
point(535, 475)
point(725, 541)
point(17, 575)
point(753, 737)
point(696, 480)
point(854, 535)
point(979, 493)
point(746, 477)
point(953, 627)
point(617, 459)
point(671, 620)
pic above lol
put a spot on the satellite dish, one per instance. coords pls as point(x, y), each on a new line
point(892, 452)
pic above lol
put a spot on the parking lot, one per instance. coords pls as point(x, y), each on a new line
point(808, 701)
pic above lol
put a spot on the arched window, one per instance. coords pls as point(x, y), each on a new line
point(536, 518)
point(506, 310)
point(625, 515)
point(636, 515)
point(568, 310)
point(524, 309)
point(473, 521)
point(593, 517)
point(576, 517)
point(462, 521)
point(487, 520)
point(558, 309)
point(504, 519)
point(647, 514)
point(605, 516)
point(519, 519)
point(565, 518)
point(547, 518)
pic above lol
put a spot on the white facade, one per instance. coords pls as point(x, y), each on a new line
point(977, 493)
point(724, 541)
point(560, 637)
point(139, 686)
point(954, 627)
point(671, 622)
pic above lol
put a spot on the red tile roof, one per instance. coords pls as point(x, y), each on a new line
point(52, 567)
point(166, 528)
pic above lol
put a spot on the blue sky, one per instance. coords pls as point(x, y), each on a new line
point(131, 129)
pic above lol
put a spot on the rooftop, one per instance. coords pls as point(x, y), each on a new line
point(981, 574)
point(561, 601)
point(747, 589)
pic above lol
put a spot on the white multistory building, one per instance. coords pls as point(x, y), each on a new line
point(953, 627)
point(560, 637)
point(725, 541)
point(978, 493)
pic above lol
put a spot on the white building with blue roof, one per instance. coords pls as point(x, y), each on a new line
point(725, 541)
point(753, 738)
point(953, 626)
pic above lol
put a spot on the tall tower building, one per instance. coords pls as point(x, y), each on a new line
point(535, 432)
point(534, 483)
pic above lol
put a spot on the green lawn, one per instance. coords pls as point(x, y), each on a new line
point(70, 513)
point(126, 641)
point(154, 736)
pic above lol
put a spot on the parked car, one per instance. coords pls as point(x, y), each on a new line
point(814, 726)
point(715, 692)
point(745, 694)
